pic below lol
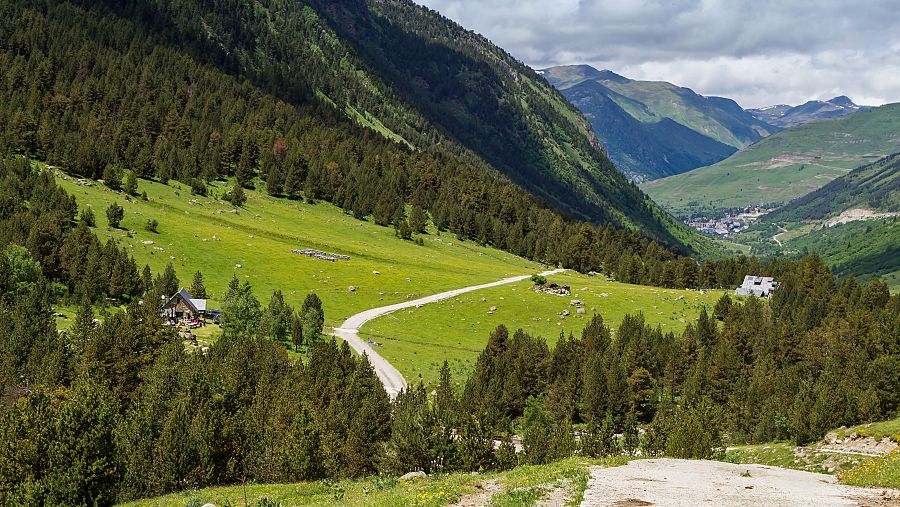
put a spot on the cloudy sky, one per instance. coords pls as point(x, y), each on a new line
point(758, 52)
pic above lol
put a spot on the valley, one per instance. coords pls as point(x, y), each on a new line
point(355, 252)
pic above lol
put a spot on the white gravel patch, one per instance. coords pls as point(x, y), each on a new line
point(688, 483)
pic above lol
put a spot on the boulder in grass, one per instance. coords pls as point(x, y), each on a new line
point(413, 475)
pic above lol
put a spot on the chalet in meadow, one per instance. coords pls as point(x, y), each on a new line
point(759, 286)
point(181, 307)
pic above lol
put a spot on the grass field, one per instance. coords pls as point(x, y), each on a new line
point(882, 472)
point(200, 233)
point(518, 487)
point(783, 166)
point(418, 340)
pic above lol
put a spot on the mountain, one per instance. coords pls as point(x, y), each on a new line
point(643, 150)
point(212, 85)
point(655, 129)
point(784, 166)
point(786, 116)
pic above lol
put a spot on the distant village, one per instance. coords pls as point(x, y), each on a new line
point(729, 222)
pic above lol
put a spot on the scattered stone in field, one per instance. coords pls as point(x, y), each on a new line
point(249, 244)
point(604, 295)
point(171, 257)
point(483, 300)
point(250, 236)
point(376, 272)
point(193, 202)
point(493, 308)
point(565, 313)
point(576, 302)
point(351, 288)
point(490, 312)
point(413, 475)
point(408, 279)
point(209, 505)
point(237, 266)
point(501, 297)
point(147, 242)
point(581, 311)
point(679, 298)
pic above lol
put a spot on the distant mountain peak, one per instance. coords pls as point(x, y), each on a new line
point(842, 101)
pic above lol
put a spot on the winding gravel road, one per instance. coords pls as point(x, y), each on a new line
point(391, 378)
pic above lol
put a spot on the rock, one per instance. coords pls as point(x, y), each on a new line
point(483, 300)
point(351, 288)
point(493, 308)
point(147, 242)
point(413, 475)
point(237, 266)
point(581, 311)
point(376, 272)
point(565, 313)
point(209, 505)
point(576, 302)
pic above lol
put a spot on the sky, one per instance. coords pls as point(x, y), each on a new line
point(759, 52)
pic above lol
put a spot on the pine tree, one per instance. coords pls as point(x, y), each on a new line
point(296, 331)
point(631, 440)
point(167, 282)
point(115, 214)
point(198, 290)
point(84, 323)
point(131, 183)
point(87, 217)
point(536, 427)
point(237, 197)
point(418, 220)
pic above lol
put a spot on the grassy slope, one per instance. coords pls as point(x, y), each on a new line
point(262, 236)
point(418, 340)
point(785, 165)
point(260, 239)
point(853, 469)
point(521, 484)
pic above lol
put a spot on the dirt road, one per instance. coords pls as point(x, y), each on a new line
point(677, 483)
point(391, 378)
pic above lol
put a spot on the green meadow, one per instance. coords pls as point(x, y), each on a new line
point(418, 340)
point(255, 243)
point(521, 486)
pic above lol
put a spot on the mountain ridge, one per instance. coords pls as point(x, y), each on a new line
point(786, 116)
point(719, 125)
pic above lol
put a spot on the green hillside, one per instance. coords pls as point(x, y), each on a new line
point(784, 166)
point(873, 187)
point(255, 243)
point(197, 233)
point(655, 129)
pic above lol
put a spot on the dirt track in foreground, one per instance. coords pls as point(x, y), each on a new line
point(677, 483)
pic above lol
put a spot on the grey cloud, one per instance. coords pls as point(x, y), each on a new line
point(760, 52)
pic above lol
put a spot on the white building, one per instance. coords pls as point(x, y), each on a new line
point(759, 286)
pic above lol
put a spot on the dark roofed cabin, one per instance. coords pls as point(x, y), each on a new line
point(182, 307)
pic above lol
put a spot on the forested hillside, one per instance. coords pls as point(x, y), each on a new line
point(171, 93)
